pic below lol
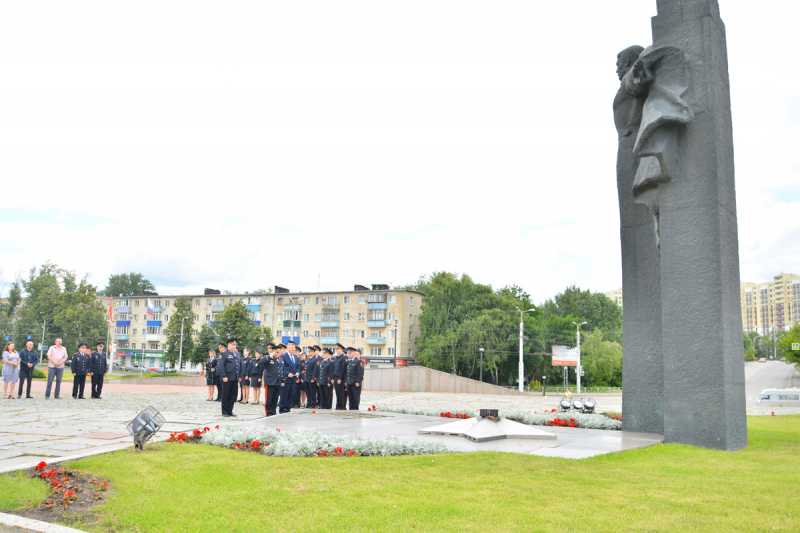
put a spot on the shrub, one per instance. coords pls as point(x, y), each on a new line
point(39, 373)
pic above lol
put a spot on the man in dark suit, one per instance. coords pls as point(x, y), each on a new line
point(98, 366)
point(28, 359)
point(228, 370)
point(273, 380)
point(291, 363)
point(355, 376)
point(339, 371)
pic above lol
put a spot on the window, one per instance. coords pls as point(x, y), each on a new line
point(156, 316)
point(377, 298)
point(317, 334)
point(392, 298)
point(122, 316)
point(133, 345)
point(392, 316)
point(307, 300)
point(361, 317)
point(135, 318)
point(346, 317)
point(409, 335)
point(153, 330)
point(305, 334)
point(306, 317)
point(410, 320)
point(280, 301)
point(347, 299)
point(231, 300)
point(134, 331)
point(266, 317)
point(157, 303)
point(375, 334)
point(221, 301)
point(279, 333)
point(136, 304)
point(166, 303)
point(280, 317)
point(318, 317)
point(410, 300)
point(122, 330)
point(333, 300)
point(345, 334)
point(123, 345)
point(208, 301)
point(124, 303)
point(409, 352)
point(196, 318)
point(197, 303)
point(362, 299)
point(330, 316)
point(376, 314)
point(318, 300)
point(374, 351)
point(390, 352)
point(390, 334)
point(361, 334)
point(166, 318)
point(154, 346)
point(208, 319)
point(266, 301)
point(330, 332)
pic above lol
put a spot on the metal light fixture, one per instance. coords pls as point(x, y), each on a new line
point(144, 426)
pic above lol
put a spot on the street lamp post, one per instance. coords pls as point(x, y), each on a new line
point(578, 372)
point(481, 350)
point(395, 341)
point(180, 348)
point(521, 333)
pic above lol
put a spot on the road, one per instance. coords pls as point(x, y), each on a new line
point(769, 375)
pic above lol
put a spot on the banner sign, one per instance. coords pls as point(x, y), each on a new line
point(563, 356)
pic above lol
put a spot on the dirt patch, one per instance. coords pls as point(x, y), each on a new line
point(73, 495)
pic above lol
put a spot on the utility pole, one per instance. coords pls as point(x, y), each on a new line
point(481, 350)
point(395, 342)
point(180, 348)
point(521, 338)
point(578, 371)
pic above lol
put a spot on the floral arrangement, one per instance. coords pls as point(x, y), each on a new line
point(273, 443)
point(448, 414)
point(64, 489)
point(583, 420)
point(186, 437)
point(563, 423)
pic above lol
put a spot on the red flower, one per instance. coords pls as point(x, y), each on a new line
point(217, 426)
point(773, 413)
point(66, 479)
point(105, 484)
point(374, 408)
point(313, 412)
point(369, 408)
point(324, 453)
point(278, 430)
point(196, 432)
point(237, 445)
point(207, 429)
point(41, 466)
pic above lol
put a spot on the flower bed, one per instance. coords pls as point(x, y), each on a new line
point(312, 444)
point(588, 421)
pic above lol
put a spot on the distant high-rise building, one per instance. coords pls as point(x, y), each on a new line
point(772, 305)
point(615, 296)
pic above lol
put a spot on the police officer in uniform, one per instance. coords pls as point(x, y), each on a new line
point(310, 378)
point(273, 380)
point(257, 375)
point(339, 371)
point(79, 367)
point(324, 381)
point(244, 375)
point(211, 373)
point(218, 378)
point(98, 366)
point(228, 369)
point(355, 375)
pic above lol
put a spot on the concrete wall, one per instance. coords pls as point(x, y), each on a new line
point(422, 379)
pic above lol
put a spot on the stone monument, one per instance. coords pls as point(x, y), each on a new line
point(683, 369)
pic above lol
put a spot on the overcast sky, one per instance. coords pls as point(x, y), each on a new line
point(241, 145)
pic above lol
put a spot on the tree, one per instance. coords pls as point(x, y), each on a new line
point(235, 321)
point(183, 310)
point(132, 284)
point(206, 341)
point(601, 359)
point(785, 344)
point(598, 310)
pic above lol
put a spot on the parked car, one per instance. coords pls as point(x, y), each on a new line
point(762, 360)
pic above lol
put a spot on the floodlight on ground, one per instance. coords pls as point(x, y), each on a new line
point(144, 426)
point(588, 405)
point(577, 405)
point(564, 405)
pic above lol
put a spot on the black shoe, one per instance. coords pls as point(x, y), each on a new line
point(74, 397)
point(29, 396)
point(233, 415)
point(225, 416)
point(98, 398)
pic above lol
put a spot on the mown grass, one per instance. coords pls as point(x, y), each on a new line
point(173, 487)
point(20, 491)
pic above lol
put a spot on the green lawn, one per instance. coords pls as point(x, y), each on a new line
point(184, 487)
point(18, 491)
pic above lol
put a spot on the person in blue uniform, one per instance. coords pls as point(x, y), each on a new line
point(28, 359)
point(211, 374)
point(256, 371)
point(324, 382)
point(273, 380)
point(244, 374)
point(291, 364)
point(221, 348)
point(228, 368)
point(355, 376)
point(79, 367)
point(339, 371)
point(98, 367)
point(310, 378)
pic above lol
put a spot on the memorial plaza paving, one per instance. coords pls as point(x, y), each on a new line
point(33, 430)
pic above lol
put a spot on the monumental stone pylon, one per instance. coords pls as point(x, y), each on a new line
point(683, 369)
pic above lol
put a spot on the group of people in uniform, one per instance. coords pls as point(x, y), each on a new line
point(290, 377)
point(87, 363)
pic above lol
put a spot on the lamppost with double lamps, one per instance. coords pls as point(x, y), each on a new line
point(578, 371)
point(521, 331)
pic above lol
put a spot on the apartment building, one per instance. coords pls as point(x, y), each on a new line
point(615, 296)
point(378, 320)
point(772, 305)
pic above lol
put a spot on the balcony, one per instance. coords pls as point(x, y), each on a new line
point(152, 338)
point(123, 309)
point(158, 309)
point(376, 340)
point(376, 306)
point(289, 324)
point(121, 337)
point(217, 308)
point(376, 323)
point(293, 307)
point(122, 323)
point(330, 324)
point(329, 340)
point(330, 307)
point(154, 323)
point(253, 307)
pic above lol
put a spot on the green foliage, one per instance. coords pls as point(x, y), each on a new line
point(67, 304)
point(20, 491)
point(598, 310)
point(235, 321)
point(39, 374)
point(182, 310)
point(785, 344)
point(601, 359)
point(132, 284)
point(205, 341)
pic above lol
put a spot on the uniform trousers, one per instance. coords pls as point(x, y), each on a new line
point(354, 394)
point(325, 393)
point(78, 384)
point(97, 385)
point(298, 387)
point(218, 381)
point(341, 396)
point(287, 396)
point(25, 372)
point(311, 394)
point(228, 396)
point(271, 395)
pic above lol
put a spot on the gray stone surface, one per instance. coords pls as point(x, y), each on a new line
point(482, 430)
point(693, 209)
